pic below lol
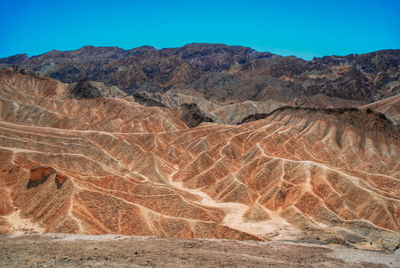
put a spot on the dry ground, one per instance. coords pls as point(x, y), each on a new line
point(63, 250)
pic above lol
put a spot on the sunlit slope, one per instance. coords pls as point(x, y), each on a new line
point(107, 165)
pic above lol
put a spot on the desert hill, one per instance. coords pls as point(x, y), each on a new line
point(104, 163)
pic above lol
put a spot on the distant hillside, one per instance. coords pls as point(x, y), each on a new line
point(225, 73)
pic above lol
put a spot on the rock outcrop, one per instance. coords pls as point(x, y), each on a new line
point(91, 89)
point(192, 115)
point(389, 107)
point(219, 112)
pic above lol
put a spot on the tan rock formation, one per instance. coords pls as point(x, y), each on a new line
point(389, 107)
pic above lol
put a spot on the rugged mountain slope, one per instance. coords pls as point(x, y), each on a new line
point(89, 89)
point(224, 73)
point(389, 106)
point(107, 165)
point(219, 112)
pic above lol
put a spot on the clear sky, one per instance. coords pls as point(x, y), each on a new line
point(286, 27)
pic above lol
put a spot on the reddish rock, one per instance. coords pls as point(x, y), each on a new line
point(120, 167)
point(39, 176)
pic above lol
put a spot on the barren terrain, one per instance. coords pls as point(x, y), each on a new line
point(62, 250)
point(112, 166)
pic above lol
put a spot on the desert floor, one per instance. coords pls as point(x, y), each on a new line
point(66, 250)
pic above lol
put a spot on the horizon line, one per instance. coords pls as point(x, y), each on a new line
point(199, 43)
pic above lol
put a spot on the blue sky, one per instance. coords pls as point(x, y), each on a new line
point(286, 27)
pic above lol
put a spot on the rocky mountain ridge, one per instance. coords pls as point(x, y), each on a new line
point(224, 73)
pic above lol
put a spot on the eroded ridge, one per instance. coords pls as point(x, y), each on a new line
point(108, 165)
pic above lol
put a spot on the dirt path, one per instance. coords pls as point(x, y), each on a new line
point(122, 251)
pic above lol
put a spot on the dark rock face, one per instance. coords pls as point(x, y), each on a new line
point(19, 69)
point(378, 61)
point(192, 115)
point(60, 180)
point(84, 90)
point(142, 98)
point(16, 59)
point(217, 57)
point(253, 117)
point(224, 73)
point(89, 89)
point(39, 176)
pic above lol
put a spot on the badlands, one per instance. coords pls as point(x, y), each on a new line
point(112, 166)
point(85, 158)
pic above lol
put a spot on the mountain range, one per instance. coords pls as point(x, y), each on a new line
point(223, 72)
